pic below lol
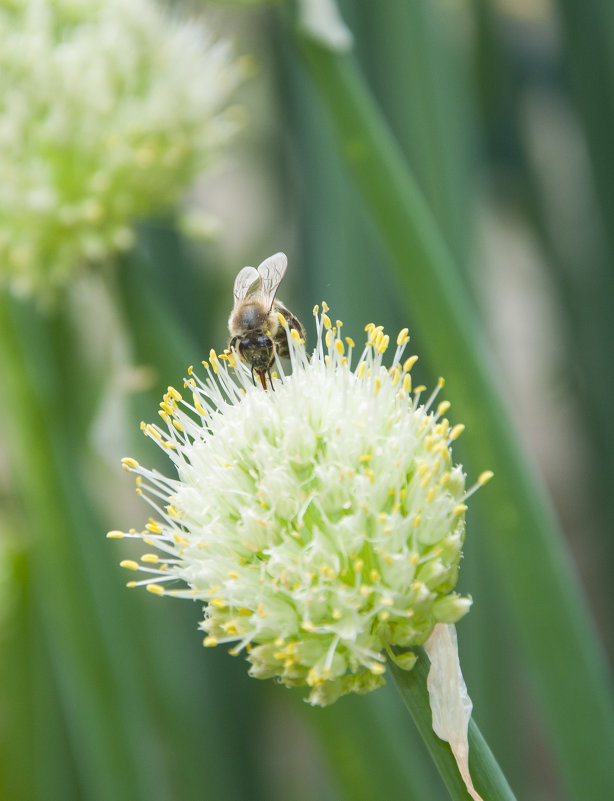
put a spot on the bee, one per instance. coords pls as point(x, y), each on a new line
point(257, 334)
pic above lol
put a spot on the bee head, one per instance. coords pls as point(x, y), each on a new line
point(257, 350)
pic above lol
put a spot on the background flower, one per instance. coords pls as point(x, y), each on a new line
point(109, 110)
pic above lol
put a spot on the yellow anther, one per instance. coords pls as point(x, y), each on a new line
point(336, 614)
point(190, 369)
point(432, 494)
point(214, 361)
point(244, 611)
point(150, 558)
point(174, 394)
point(443, 408)
point(414, 559)
point(308, 626)
point(409, 363)
point(377, 668)
point(358, 565)
point(457, 431)
point(296, 337)
point(339, 323)
point(324, 306)
point(156, 589)
point(261, 610)
point(198, 405)
point(205, 365)
point(374, 575)
point(485, 477)
point(233, 574)
point(403, 336)
point(210, 642)
point(116, 535)
point(328, 339)
point(282, 319)
point(316, 309)
point(326, 322)
point(360, 372)
point(459, 509)
point(230, 627)
point(407, 383)
point(369, 327)
point(386, 600)
point(132, 584)
point(218, 603)
point(129, 564)
point(383, 343)
point(339, 347)
point(365, 590)
point(142, 425)
point(178, 425)
point(441, 382)
point(419, 388)
point(152, 431)
point(128, 463)
point(365, 457)
point(350, 342)
point(417, 520)
point(396, 375)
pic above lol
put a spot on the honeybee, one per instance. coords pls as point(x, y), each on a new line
point(257, 334)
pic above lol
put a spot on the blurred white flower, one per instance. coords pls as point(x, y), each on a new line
point(109, 109)
point(321, 20)
point(321, 521)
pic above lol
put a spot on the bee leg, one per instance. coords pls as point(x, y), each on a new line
point(270, 379)
point(262, 376)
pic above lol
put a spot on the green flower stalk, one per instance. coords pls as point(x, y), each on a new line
point(109, 109)
point(321, 521)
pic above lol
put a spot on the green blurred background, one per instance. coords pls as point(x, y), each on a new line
point(504, 112)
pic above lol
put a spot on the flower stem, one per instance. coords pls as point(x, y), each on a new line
point(487, 777)
point(534, 566)
point(100, 727)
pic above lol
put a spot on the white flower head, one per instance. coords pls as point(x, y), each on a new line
point(109, 110)
point(320, 521)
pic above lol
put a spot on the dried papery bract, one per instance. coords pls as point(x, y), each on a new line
point(450, 702)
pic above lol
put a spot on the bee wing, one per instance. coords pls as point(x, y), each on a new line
point(244, 281)
point(271, 272)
